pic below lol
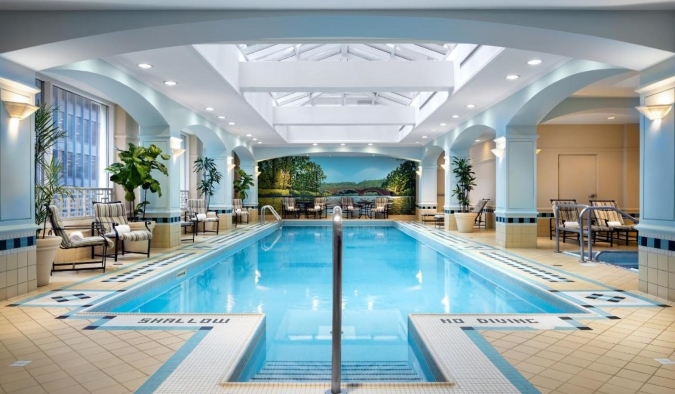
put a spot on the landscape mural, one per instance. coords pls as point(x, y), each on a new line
point(359, 177)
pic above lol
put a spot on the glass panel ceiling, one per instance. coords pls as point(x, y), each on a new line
point(345, 52)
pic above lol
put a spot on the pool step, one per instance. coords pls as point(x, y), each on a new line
point(352, 371)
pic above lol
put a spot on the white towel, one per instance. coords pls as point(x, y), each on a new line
point(76, 236)
point(238, 210)
point(122, 228)
point(317, 207)
point(614, 224)
point(571, 225)
point(350, 208)
point(201, 216)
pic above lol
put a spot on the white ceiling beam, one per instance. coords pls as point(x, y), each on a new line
point(341, 133)
point(422, 76)
point(347, 115)
point(257, 55)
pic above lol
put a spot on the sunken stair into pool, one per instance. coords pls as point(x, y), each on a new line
point(356, 371)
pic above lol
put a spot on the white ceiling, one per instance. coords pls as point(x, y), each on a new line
point(623, 85)
point(33, 5)
point(621, 116)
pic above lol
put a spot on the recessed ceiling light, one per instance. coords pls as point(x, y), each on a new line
point(417, 142)
point(248, 135)
point(512, 76)
point(221, 117)
point(455, 116)
point(255, 139)
point(209, 108)
point(611, 117)
point(534, 62)
point(370, 144)
point(231, 123)
point(471, 105)
point(433, 130)
point(477, 140)
point(444, 124)
point(315, 144)
point(342, 144)
point(424, 136)
point(170, 83)
point(144, 65)
point(260, 142)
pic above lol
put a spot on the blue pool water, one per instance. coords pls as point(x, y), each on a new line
point(387, 275)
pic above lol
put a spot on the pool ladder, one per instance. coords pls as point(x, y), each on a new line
point(336, 371)
point(274, 212)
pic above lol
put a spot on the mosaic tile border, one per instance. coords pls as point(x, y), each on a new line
point(517, 220)
point(16, 243)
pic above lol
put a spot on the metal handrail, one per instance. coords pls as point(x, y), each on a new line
point(587, 209)
point(274, 212)
point(336, 370)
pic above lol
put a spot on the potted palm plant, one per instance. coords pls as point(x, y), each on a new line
point(134, 170)
point(464, 175)
point(210, 178)
point(48, 185)
point(242, 182)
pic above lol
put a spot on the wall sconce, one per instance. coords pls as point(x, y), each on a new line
point(175, 144)
point(230, 163)
point(19, 110)
point(499, 152)
point(654, 112)
point(257, 173)
point(444, 167)
point(419, 171)
point(538, 150)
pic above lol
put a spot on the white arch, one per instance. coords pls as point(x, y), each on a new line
point(266, 153)
point(431, 154)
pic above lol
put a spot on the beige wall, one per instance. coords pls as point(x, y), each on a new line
point(616, 148)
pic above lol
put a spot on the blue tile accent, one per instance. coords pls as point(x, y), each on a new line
point(656, 243)
point(545, 215)
point(522, 384)
point(15, 243)
point(501, 219)
point(222, 210)
point(171, 364)
point(425, 206)
point(173, 219)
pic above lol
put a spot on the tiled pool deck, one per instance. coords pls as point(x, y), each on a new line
point(613, 349)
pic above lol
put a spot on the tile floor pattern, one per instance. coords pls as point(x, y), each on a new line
point(616, 356)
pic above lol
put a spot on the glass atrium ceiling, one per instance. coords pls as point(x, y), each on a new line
point(344, 52)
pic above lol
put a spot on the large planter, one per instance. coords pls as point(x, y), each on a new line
point(465, 221)
point(44, 257)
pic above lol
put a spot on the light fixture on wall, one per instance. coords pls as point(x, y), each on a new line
point(499, 152)
point(19, 110)
point(419, 171)
point(538, 150)
point(654, 112)
point(230, 163)
point(175, 144)
point(500, 147)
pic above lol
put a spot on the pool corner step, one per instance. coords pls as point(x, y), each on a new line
point(313, 371)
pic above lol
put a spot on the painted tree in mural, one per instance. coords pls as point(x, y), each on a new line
point(401, 181)
point(293, 172)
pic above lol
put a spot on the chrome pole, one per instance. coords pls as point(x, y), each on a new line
point(336, 370)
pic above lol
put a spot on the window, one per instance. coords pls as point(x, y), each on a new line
point(83, 152)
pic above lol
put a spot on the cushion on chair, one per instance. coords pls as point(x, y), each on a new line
point(122, 228)
point(201, 216)
point(614, 224)
point(92, 241)
point(317, 207)
point(350, 208)
point(139, 235)
point(571, 225)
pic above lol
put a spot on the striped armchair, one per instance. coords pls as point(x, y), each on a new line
point(112, 218)
point(348, 206)
point(381, 207)
point(319, 208)
point(196, 211)
point(239, 211)
point(59, 230)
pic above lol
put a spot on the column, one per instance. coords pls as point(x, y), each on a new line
point(18, 273)
point(426, 189)
point(251, 200)
point(165, 210)
point(126, 131)
point(657, 190)
point(516, 189)
point(451, 204)
point(221, 201)
point(195, 178)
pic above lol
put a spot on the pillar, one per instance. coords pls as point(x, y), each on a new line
point(195, 178)
point(657, 191)
point(17, 185)
point(451, 205)
point(251, 200)
point(221, 201)
point(165, 210)
point(426, 188)
point(516, 191)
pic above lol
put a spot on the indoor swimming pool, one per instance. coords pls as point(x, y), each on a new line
point(388, 274)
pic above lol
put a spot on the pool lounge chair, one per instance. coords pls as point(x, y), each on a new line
point(348, 207)
point(288, 207)
point(239, 211)
point(112, 218)
point(567, 222)
point(196, 212)
point(59, 229)
point(381, 207)
point(319, 208)
point(614, 220)
point(479, 210)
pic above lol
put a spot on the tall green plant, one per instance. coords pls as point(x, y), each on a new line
point(210, 177)
point(242, 183)
point(464, 175)
point(48, 169)
point(134, 170)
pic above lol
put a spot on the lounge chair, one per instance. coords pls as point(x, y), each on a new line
point(86, 242)
point(381, 207)
point(112, 218)
point(614, 220)
point(319, 208)
point(348, 207)
point(288, 207)
point(478, 209)
point(239, 211)
point(196, 212)
point(567, 223)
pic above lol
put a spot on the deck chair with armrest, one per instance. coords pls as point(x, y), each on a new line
point(567, 222)
point(288, 207)
point(196, 212)
point(480, 214)
point(239, 211)
point(347, 204)
point(614, 220)
point(381, 207)
point(319, 208)
point(59, 230)
point(112, 218)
